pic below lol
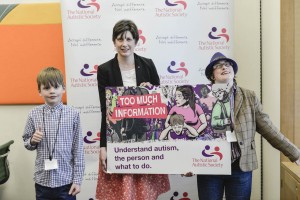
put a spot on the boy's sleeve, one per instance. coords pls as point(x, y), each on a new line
point(28, 132)
point(78, 153)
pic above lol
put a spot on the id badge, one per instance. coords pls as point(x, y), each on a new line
point(51, 164)
point(230, 136)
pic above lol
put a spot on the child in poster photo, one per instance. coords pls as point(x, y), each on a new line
point(178, 129)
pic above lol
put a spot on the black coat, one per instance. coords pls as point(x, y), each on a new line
point(109, 74)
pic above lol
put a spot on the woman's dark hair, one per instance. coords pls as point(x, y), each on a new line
point(202, 87)
point(188, 94)
point(122, 26)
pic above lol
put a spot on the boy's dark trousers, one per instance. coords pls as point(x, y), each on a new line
point(58, 193)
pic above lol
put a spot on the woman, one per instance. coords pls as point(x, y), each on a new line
point(246, 119)
point(186, 106)
point(126, 69)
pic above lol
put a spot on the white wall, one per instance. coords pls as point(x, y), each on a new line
point(20, 184)
point(246, 53)
point(271, 92)
point(246, 40)
point(12, 118)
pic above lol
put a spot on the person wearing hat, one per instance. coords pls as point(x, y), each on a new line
point(247, 118)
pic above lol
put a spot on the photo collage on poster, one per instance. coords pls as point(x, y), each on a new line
point(168, 112)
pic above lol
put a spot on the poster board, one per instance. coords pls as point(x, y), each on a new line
point(168, 129)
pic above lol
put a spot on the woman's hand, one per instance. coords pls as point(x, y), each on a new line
point(102, 158)
point(189, 174)
point(146, 84)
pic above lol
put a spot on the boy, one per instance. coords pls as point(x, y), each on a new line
point(54, 131)
point(178, 129)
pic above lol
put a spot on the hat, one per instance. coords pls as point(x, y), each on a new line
point(217, 57)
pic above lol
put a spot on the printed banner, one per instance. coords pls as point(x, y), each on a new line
point(176, 35)
point(143, 123)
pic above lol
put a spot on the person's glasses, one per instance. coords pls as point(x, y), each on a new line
point(220, 65)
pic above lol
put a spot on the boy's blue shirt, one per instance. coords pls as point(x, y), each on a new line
point(62, 136)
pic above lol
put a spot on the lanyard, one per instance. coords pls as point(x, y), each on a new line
point(232, 108)
point(51, 152)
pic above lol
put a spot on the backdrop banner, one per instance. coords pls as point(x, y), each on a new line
point(179, 36)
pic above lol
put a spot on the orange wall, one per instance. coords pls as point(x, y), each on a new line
point(28, 43)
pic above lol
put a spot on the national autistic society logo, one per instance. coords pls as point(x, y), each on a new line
point(88, 4)
point(141, 47)
point(172, 8)
point(142, 37)
point(206, 152)
point(183, 3)
point(215, 34)
point(90, 139)
point(87, 71)
point(172, 68)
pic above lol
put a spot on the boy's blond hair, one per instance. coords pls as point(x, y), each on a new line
point(176, 119)
point(50, 76)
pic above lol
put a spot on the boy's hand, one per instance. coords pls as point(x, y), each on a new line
point(37, 136)
point(75, 189)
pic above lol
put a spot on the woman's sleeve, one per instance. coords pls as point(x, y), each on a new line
point(199, 109)
point(154, 75)
point(102, 78)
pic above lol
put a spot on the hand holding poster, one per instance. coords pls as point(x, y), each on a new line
point(168, 130)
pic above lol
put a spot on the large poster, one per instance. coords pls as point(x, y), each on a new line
point(176, 35)
point(168, 129)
